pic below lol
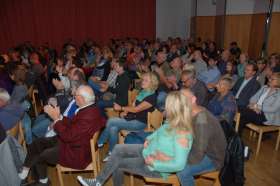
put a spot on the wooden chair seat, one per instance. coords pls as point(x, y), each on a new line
point(260, 129)
point(18, 132)
point(214, 175)
point(93, 166)
point(172, 179)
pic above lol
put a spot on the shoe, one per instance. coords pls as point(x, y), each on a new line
point(88, 182)
point(40, 184)
point(24, 182)
point(107, 157)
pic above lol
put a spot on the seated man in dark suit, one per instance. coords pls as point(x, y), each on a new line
point(71, 146)
point(246, 86)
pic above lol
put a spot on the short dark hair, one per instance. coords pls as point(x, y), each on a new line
point(254, 65)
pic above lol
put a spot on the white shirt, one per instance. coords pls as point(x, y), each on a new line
point(262, 98)
point(244, 83)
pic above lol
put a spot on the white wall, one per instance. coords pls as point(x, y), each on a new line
point(206, 8)
point(173, 18)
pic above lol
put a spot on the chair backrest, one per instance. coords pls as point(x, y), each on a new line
point(237, 121)
point(155, 120)
point(17, 132)
point(94, 153)
point(132, 94)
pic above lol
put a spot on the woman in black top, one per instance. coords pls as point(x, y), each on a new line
point(133, 118)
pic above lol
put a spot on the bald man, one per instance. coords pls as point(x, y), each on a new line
point(71, 146)
point(209, 145)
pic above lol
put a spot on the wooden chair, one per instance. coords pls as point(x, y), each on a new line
point(260, 129)
point(154, 121)
point(214, 175)
point(173, 179)
point(237, 121)
point(132, 94)
point(35, 103)
point(93, 166)
point(18, 132)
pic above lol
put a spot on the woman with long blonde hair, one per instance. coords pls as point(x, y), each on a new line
point(165, 151)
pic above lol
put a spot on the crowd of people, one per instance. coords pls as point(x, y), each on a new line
point(196, 86)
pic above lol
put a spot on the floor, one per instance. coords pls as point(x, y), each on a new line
point(260, 171)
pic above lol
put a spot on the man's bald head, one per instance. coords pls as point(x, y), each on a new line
point(84, 96)
point(189, 95)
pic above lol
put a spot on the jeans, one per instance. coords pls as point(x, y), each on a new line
point(102, 104)
point(125, 158)
point(95, 87)
point(41, 125)
point(26, 124)
point(186, 176)
point(161, 100)
point(114, 125)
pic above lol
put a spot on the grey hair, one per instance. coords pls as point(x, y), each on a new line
point(4, 95)
point(87, 93)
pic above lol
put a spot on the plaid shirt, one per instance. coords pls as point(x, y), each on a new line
point(112, 77)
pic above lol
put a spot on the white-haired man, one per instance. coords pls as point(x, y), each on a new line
point(10, 113)
point(71, 147)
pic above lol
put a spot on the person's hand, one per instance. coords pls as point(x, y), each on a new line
point(117, 107)
point(149, 160)
point(103, 87)
point(257, 110)
point(146, 143)
point(161, 156)
point(94, 78)
point(53, 112)
point(123, 114)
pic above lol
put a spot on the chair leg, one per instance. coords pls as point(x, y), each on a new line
point(278, 141)
point(217, 182)
point(60, 178)
point(259, 143)
point(131, 180)
point(251, 133)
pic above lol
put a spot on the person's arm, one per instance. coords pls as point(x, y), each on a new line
point(200, 143)
point(274, 107)
point(139, 108)
point(182, 147)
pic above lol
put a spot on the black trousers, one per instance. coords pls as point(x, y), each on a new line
point(250, 116)
point(40, 153)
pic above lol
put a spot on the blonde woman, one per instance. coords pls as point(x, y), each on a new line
point(134, 118)
point(165, 151)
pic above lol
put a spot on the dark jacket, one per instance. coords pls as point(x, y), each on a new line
point(74, 137)
point(248, 91)
point(232, 173)
point(209, 140)
point(121, 89)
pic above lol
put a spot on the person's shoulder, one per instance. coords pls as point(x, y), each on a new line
point(205, 117)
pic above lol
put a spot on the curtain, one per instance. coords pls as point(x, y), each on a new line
point(55, 21)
